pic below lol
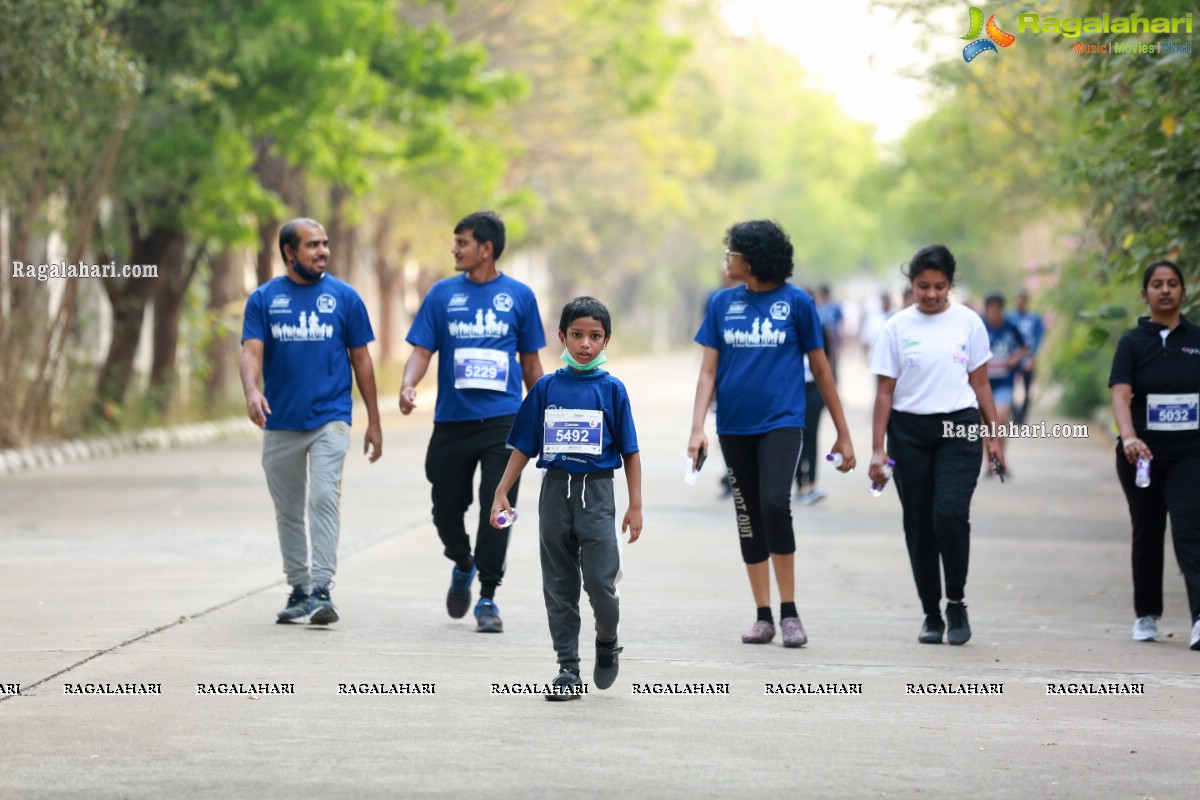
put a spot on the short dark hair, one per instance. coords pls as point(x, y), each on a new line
point(585, 307)
point(994, 298)
point(289, 234)
point(485, 226)
point(766, 248)
point(931, 256)
point(1149, 273)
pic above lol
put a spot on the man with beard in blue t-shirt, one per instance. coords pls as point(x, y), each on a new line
point(487, 331)
point(302, 335)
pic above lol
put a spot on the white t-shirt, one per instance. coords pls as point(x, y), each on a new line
point(931, 356)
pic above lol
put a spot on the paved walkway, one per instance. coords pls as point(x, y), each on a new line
point(162, 568)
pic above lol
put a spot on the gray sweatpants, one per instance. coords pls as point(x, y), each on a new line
point(300, 463)
point(577, 529)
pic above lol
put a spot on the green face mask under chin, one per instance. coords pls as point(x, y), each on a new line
point(595, 362)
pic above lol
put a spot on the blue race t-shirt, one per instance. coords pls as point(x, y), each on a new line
point(306, 331)
point(762, 338)
point(1031, 327)
point(1004, 341)
point(576, 421)
point(480, 331)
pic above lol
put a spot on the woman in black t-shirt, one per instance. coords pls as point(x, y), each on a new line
point(1155, 383)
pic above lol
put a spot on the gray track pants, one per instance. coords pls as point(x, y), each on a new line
point(577, 529)
point(300, 463)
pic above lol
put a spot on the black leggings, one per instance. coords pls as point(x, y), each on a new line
point(1172, 492)
point(935, 478)
point(761, 468)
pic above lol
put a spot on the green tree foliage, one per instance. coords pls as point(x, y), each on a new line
point(225, 96)
point(1135, 169)
point(65, 86)
point(987, 162)
point(1110, 143)
point(256, 107)
point(632, 173)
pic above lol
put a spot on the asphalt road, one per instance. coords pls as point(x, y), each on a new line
point(162, 569)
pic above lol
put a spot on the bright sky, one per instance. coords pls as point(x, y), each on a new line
point(855, 54)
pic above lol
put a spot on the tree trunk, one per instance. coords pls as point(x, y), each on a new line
point(287, 181)
point(85, 209)
point(264, 261)
point(128, 298)
point(222, 349)
point(174, 277)
point(388, 275)
point(342, 236)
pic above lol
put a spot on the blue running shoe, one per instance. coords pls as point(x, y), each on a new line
point(299, 604)
point(487, 616)
point(324, 612)
point(458, 599)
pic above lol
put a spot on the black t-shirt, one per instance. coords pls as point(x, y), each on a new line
point(1165, 371)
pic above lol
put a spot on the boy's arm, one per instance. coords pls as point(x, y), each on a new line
point(633, 477)
point(516, 463)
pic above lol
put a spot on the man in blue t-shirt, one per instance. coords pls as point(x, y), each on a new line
point(1008, 348)
point(486, 328)
point(1030, 324)
point(303, 334)
point(832, 323)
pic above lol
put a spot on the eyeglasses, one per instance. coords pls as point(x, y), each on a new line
point(730, 254)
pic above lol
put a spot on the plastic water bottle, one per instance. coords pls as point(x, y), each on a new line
point(835, 459)
point(504, 518)
point(1143, 473)
point(877, 488)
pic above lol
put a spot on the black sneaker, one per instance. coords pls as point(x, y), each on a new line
point(299, 604)
point(932, 630)
point(960, 629)
point(567, 686)
point(324, 611)
point(458, 599)
point(607, 665)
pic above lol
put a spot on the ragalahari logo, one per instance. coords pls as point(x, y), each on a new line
point(995, 36)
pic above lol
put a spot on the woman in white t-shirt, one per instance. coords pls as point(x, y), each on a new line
point(931, 365)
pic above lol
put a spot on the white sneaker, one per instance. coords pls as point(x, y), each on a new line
point(1145, 629)
point(1196, 635)
point(815, 496)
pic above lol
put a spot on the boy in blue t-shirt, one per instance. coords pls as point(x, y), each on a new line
point(578, 424)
